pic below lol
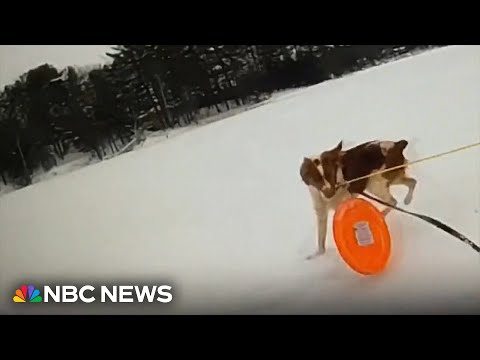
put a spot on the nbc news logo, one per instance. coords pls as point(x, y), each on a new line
point(27, 294)
point(114, 294)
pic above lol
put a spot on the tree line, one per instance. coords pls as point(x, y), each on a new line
point(47, 112)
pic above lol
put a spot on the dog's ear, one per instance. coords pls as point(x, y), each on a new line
point(310, 174)
point(335, 152)
point(339, 146)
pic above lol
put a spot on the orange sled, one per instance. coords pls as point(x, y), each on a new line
point(362, 236)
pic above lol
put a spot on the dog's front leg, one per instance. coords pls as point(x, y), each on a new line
point(321, 216)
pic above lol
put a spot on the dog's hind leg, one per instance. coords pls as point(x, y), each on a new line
point(409, 182)
point(381, 189)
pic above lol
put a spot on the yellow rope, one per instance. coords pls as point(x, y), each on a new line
point(409, 164)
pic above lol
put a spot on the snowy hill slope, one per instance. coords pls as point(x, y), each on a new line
point(75, 160)
point(220, 211)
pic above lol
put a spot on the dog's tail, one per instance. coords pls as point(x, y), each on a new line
point(400, 145)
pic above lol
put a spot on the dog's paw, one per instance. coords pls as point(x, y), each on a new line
point(318, 253)
point(408, 200)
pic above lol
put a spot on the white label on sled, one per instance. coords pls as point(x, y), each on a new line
point(363, 234)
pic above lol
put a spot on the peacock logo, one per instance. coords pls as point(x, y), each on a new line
point(27, 294)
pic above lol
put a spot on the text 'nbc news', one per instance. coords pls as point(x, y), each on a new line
point(89, 294)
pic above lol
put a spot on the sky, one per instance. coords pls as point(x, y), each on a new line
point(17, 59)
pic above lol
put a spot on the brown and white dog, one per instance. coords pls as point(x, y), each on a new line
point(325, 172)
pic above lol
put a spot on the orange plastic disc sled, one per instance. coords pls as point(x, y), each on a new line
point(362, 236)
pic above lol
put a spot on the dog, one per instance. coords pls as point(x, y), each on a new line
point(324, 174)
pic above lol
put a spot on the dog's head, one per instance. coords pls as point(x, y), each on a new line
point(322, 172)
point(310, 174)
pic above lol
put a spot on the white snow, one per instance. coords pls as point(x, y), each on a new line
point(221, 212)
point(75, 160)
